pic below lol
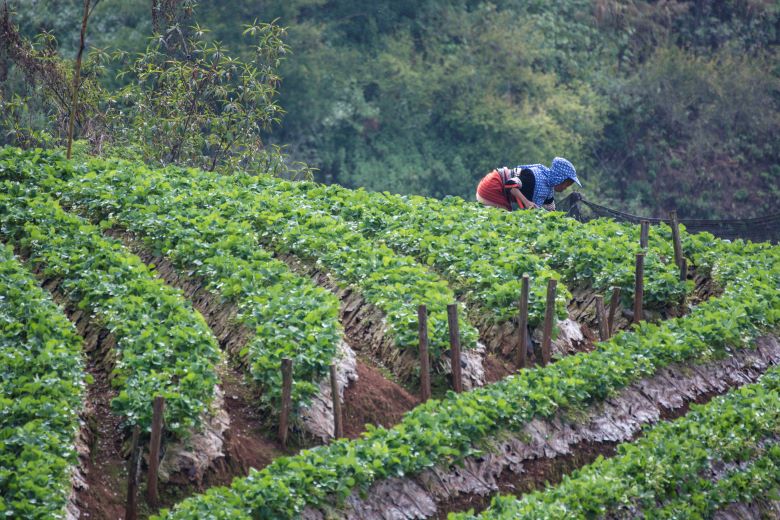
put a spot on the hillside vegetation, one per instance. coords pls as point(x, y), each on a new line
point(660, 105)
point(163, 205)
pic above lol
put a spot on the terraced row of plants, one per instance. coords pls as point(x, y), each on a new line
point(483, 264)
point(599, 253)
point(725, 451)
point(41, 390)
point(443, 431)
point(485, 252)
point(289, 315)
point(162, 347)
point(393, 283)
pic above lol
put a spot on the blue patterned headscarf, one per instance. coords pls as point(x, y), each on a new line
point(547, 178)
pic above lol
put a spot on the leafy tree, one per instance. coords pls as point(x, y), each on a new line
point(696, 134)
point(426, 96)
point(191, 103)
point(36, 91)
point(185, 100)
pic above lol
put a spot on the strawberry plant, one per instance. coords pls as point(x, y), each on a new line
point(395, 284)
point(41, 391)
point(289, 315)
point(443, 431)
point(484, 266)
point(446, 430)
point(671, 470)
point(163, 347)
point(482, 251)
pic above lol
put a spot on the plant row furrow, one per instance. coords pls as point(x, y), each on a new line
point(443, 431)
point(395, 284)
point(484, 265)
point(41, 390)
point(289, 316)
point(484, 252)
point(599, 253)
point(163, 347)
point(722, 452)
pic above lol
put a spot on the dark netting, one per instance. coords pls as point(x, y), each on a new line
point(761, 229)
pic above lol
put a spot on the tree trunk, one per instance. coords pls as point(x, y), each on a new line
point(74, 99)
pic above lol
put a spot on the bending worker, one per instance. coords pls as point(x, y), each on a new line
point(530, 186)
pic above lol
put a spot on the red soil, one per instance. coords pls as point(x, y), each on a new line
point(105, 470)
point(373, 400)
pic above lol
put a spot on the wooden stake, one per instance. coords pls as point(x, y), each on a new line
point(639, 287)
point(154, 450)
point(425, 370)
point(676, 237)
point(684, 270)
point(452, 320)
point(338, 422)
point(131, 509)
point(522, 356)
point(286, 399)
point(613, 305)
point(644, 234)
point(549, 315)
point(601, 315)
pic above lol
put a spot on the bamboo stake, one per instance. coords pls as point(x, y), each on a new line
point(639, 287)
point(522, 356)
point(676, 237)
point(601, 315)
point(549, 315)
point(452, 320)
point(613, 305)
point(154, 450)
point(645, 232)
point(286, 400)
point(338, 422)
point(425, 370)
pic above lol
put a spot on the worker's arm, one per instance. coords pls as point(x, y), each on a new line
point(518, 195)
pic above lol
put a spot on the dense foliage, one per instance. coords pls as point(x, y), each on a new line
point(180, 99)
point(723, 452)
point(443, 431)
point(439, 431)
point(660, 105)
point(163, 347)
point(483, 253)
point(290, 316)
point(41, 390)
point(134, 196)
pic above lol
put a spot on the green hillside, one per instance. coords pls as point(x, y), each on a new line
point(164, 207)
point(670, 105)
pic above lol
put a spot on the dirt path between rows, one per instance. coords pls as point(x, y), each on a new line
point(372, 401)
